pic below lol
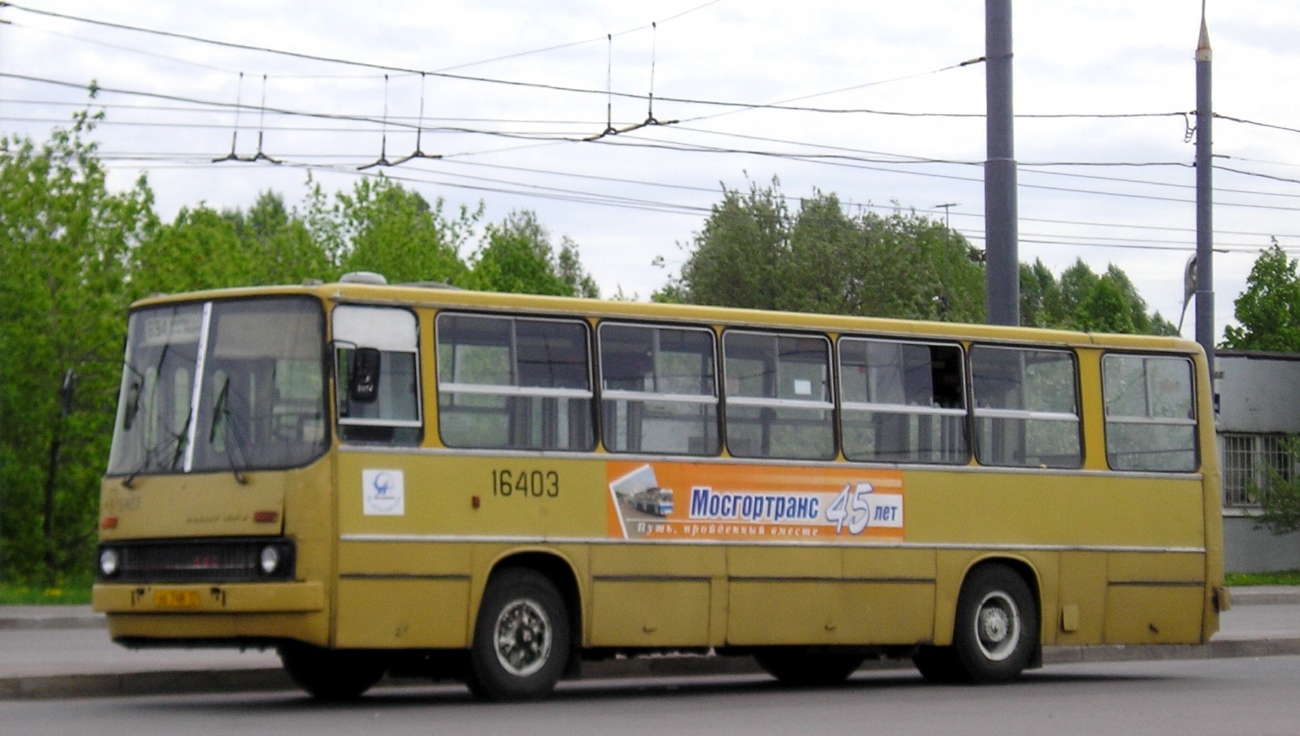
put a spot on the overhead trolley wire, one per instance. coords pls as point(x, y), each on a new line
point(589, 91)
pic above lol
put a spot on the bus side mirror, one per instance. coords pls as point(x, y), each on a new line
point(363, 380)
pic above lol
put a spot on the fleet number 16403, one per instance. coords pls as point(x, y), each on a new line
point(525, 483)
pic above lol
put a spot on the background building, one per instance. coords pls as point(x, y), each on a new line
point(1259, 405)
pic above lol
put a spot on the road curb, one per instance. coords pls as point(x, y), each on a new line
point(264, 679)
point(50, 617)
point(14, 623)
point(1264, 595)
point(180, 682)
point(1222, 649)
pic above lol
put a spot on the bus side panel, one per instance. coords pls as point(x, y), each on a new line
point(646, 595)
point(403, 594)
point(784, 595)
point(385, 613)
point(1153, 598)
point(888, 595)
point(1082, 599)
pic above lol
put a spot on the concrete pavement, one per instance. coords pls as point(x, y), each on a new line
point(64, 651)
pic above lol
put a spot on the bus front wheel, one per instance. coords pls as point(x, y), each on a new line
point(996, 626)
point(329, 674)
point(521, 640)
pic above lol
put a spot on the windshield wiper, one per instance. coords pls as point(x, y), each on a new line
point(221, 415)
point(150, 454)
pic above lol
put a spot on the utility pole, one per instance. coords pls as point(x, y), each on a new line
point(1204, 197)
point(947, 227)
point(944, 302)
point(1002, 267)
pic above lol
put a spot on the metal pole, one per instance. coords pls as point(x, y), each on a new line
point(1204, 197)
point(1002, 269)
point(945, 303)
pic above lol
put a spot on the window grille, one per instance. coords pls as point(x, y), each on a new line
point(1246, 458)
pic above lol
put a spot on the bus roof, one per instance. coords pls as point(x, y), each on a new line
point(441, 296)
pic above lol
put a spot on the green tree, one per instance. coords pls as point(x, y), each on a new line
point(516, 256)
point(200, 249)
point(64, 245)
point(279, 244)
point(1105, 308)
point(206, 249)
point(754, 252)
point(737, 258)
point(919, 269)
point(1269, 308)
point(1096, 303)
point(1040, 296)
point(383, 227)
point(1279, 496)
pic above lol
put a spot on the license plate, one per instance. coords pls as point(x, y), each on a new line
point(176, 599)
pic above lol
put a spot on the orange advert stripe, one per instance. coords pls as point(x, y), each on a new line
point(698, 501)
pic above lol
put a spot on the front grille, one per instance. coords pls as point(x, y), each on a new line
point(207, 561)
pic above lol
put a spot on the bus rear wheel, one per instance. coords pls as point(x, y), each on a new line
point(997, 625)
point(329, 674)
point(808, 669)
point(521, 640)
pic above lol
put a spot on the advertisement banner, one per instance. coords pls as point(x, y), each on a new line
point(695, 501)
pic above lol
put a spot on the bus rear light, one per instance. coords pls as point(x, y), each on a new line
point(266, 517)
point(109, 522)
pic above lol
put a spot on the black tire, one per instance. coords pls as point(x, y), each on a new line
point(997, 625)
point(939, 665)
point(808, 669)
point(521, 639)
point(331, 674)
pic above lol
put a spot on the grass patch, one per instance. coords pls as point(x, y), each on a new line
point(71, 592)
point(1283, 577)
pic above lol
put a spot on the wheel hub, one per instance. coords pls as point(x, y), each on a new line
point(997, 626)
point(523, 638)
point(993, 625)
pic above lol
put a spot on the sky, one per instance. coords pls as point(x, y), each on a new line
point(869, 101)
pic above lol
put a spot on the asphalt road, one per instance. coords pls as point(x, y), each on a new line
point(1187, 697)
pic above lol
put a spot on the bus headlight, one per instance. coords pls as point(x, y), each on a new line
point(108, 562)
point(270, 559)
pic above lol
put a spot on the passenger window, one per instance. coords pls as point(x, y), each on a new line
point(659, 390)
point(514, 382)
point(778, 396)
point(1150, 413)
point(902, 402)
point(1026, 407)
point(388, 337)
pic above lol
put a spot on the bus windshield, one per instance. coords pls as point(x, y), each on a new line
point(226, 385)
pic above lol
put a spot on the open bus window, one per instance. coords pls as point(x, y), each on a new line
point(902, 402)
point(778, 396)
point(1150, 412)
point(378, 375)
point(514, 382)
point(1026, 407)
point(659, 390)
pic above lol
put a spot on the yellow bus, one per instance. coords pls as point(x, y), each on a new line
point(414, 479)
